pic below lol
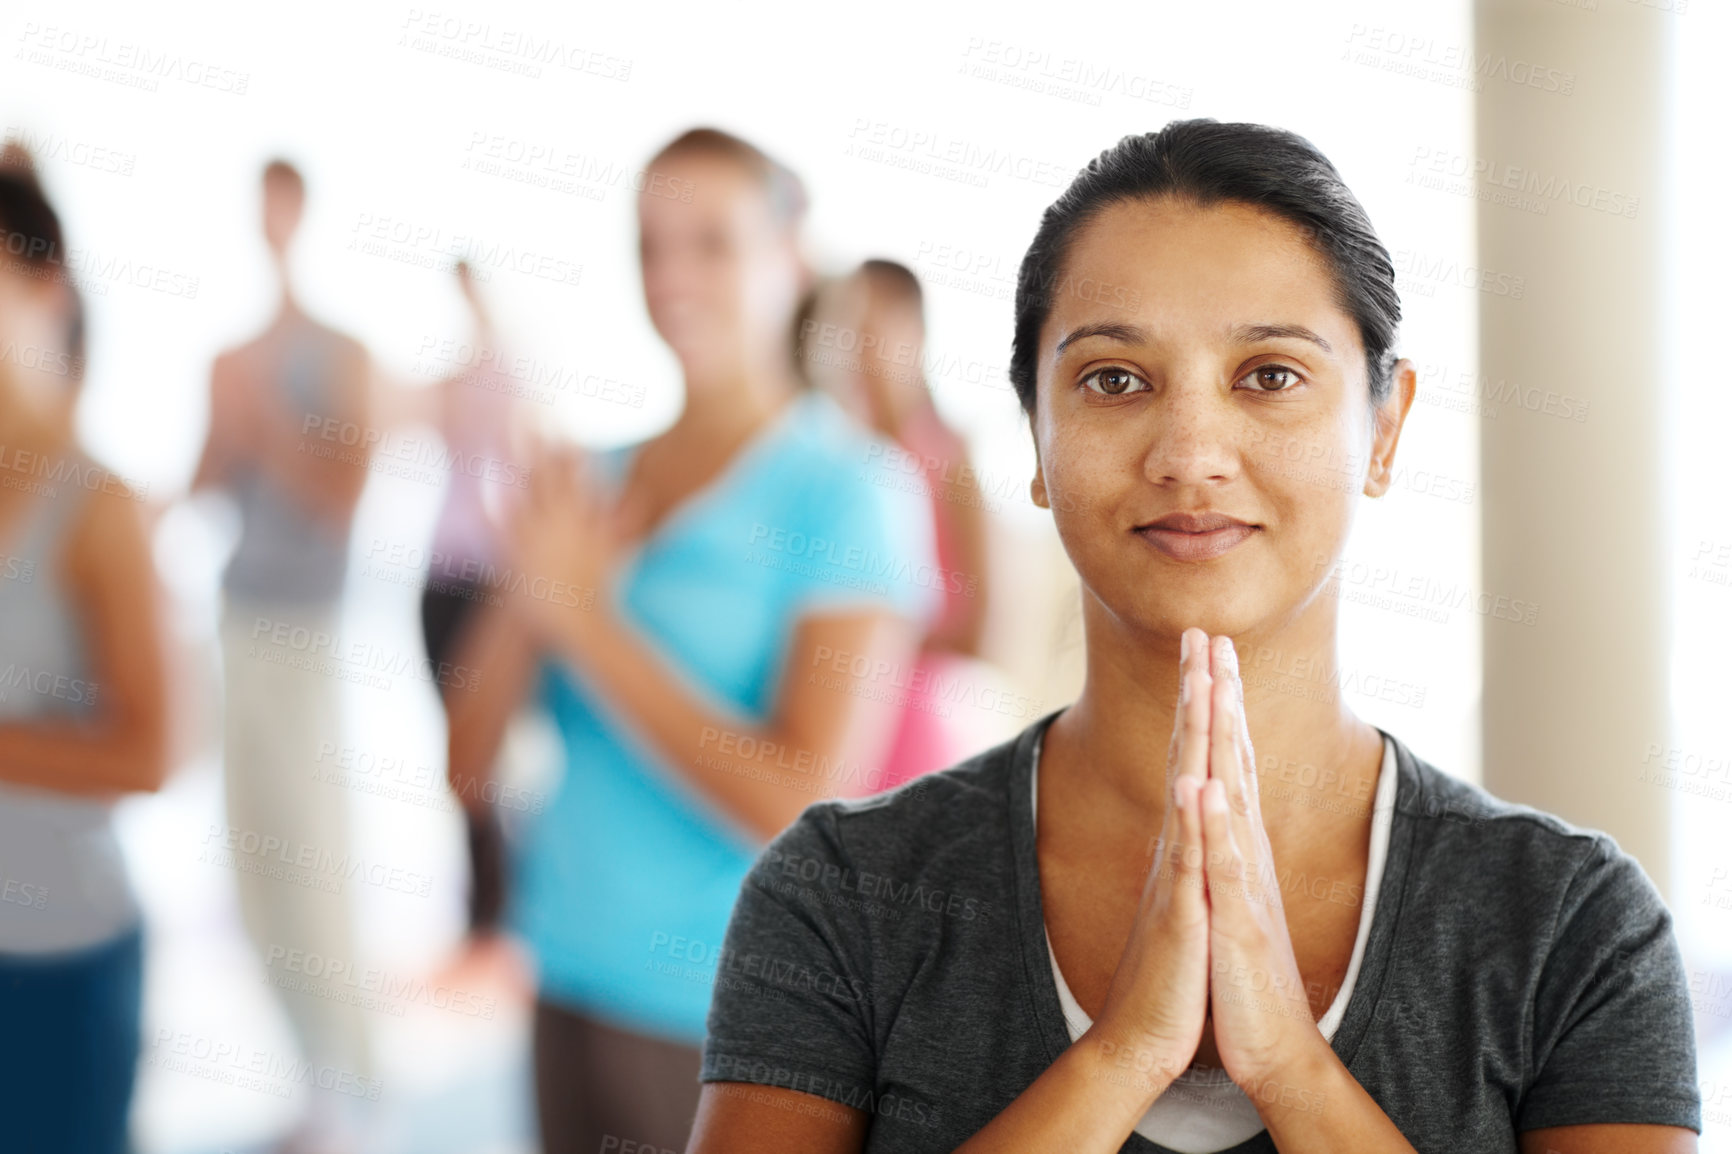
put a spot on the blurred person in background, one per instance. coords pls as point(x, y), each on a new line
point(289, 414)
point(474, 413)
point(688, 610)
point(873, 362)
point(83, 714)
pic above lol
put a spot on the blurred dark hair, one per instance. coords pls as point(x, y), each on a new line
point(279, 169)
point(32, 242)
point(801, 342)
point(894, 278)
point(787, 193)
point(1207, 162)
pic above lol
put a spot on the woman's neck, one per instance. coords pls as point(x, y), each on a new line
point(46, 434)
point(1317, 761)
point(729, 407)
point(289, 314)
point(28, 449)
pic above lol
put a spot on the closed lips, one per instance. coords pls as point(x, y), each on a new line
point(1194, 522)
point(1195, 536)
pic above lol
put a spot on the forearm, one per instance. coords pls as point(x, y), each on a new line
point(503, 656)
point(1318, 1107)
point(1088, 1101)
point(81, 758)
point(757, 773)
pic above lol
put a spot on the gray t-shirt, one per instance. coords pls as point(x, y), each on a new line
point(887, 953)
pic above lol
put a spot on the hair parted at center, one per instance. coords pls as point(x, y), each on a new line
point(1208, 163)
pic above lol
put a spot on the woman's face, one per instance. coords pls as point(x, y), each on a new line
point(892, 340)
point(284, 200)
point(38, 381)
point(866, 348)
point(1195, 362)
point(721, 276)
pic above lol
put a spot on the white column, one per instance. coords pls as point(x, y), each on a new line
point(1573, 509)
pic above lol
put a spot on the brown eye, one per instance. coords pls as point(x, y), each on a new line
point(1113, 382)
point(1272, 378)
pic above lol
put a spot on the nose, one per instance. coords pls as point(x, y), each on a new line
point(1193, 434)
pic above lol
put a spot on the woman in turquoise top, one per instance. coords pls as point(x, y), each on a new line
point(718, 620)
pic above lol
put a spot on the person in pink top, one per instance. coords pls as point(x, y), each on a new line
point(880, 310)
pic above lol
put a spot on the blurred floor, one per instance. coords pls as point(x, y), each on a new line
point(448, 1082)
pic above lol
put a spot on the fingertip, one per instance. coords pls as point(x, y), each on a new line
point(1219, 646)
point(1192, 642)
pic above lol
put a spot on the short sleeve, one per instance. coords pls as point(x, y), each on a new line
point(864, 536)
point(790, 999)
point(1613, 1035)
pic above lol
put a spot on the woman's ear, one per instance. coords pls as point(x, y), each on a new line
point(1037, 487)
point(1387, 420)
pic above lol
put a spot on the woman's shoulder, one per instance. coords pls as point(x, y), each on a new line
point(108, 517)
point(1427, 793)
point(861, 528)
point(823, 440)
point(953, 822)
point(1520, 933)
point(1514, 855)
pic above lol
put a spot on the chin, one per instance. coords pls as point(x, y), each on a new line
point(1213, 611)
point(1215, 624)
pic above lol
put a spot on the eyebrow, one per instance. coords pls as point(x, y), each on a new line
point(1251, 334)
point(1243, 334)
point(1127, 334)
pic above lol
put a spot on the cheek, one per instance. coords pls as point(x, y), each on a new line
point(769, 290)
point(1309, 498)
point(1311, 460)
point(666, 274)
point(710, 279)
point(28, 328)
point(34, 379)
point(1085, 474)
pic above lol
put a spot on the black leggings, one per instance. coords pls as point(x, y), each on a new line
point(595, 1082)
point(446, 606)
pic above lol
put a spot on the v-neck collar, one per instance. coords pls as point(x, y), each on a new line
point(732, 472)
point(1045, 1008)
